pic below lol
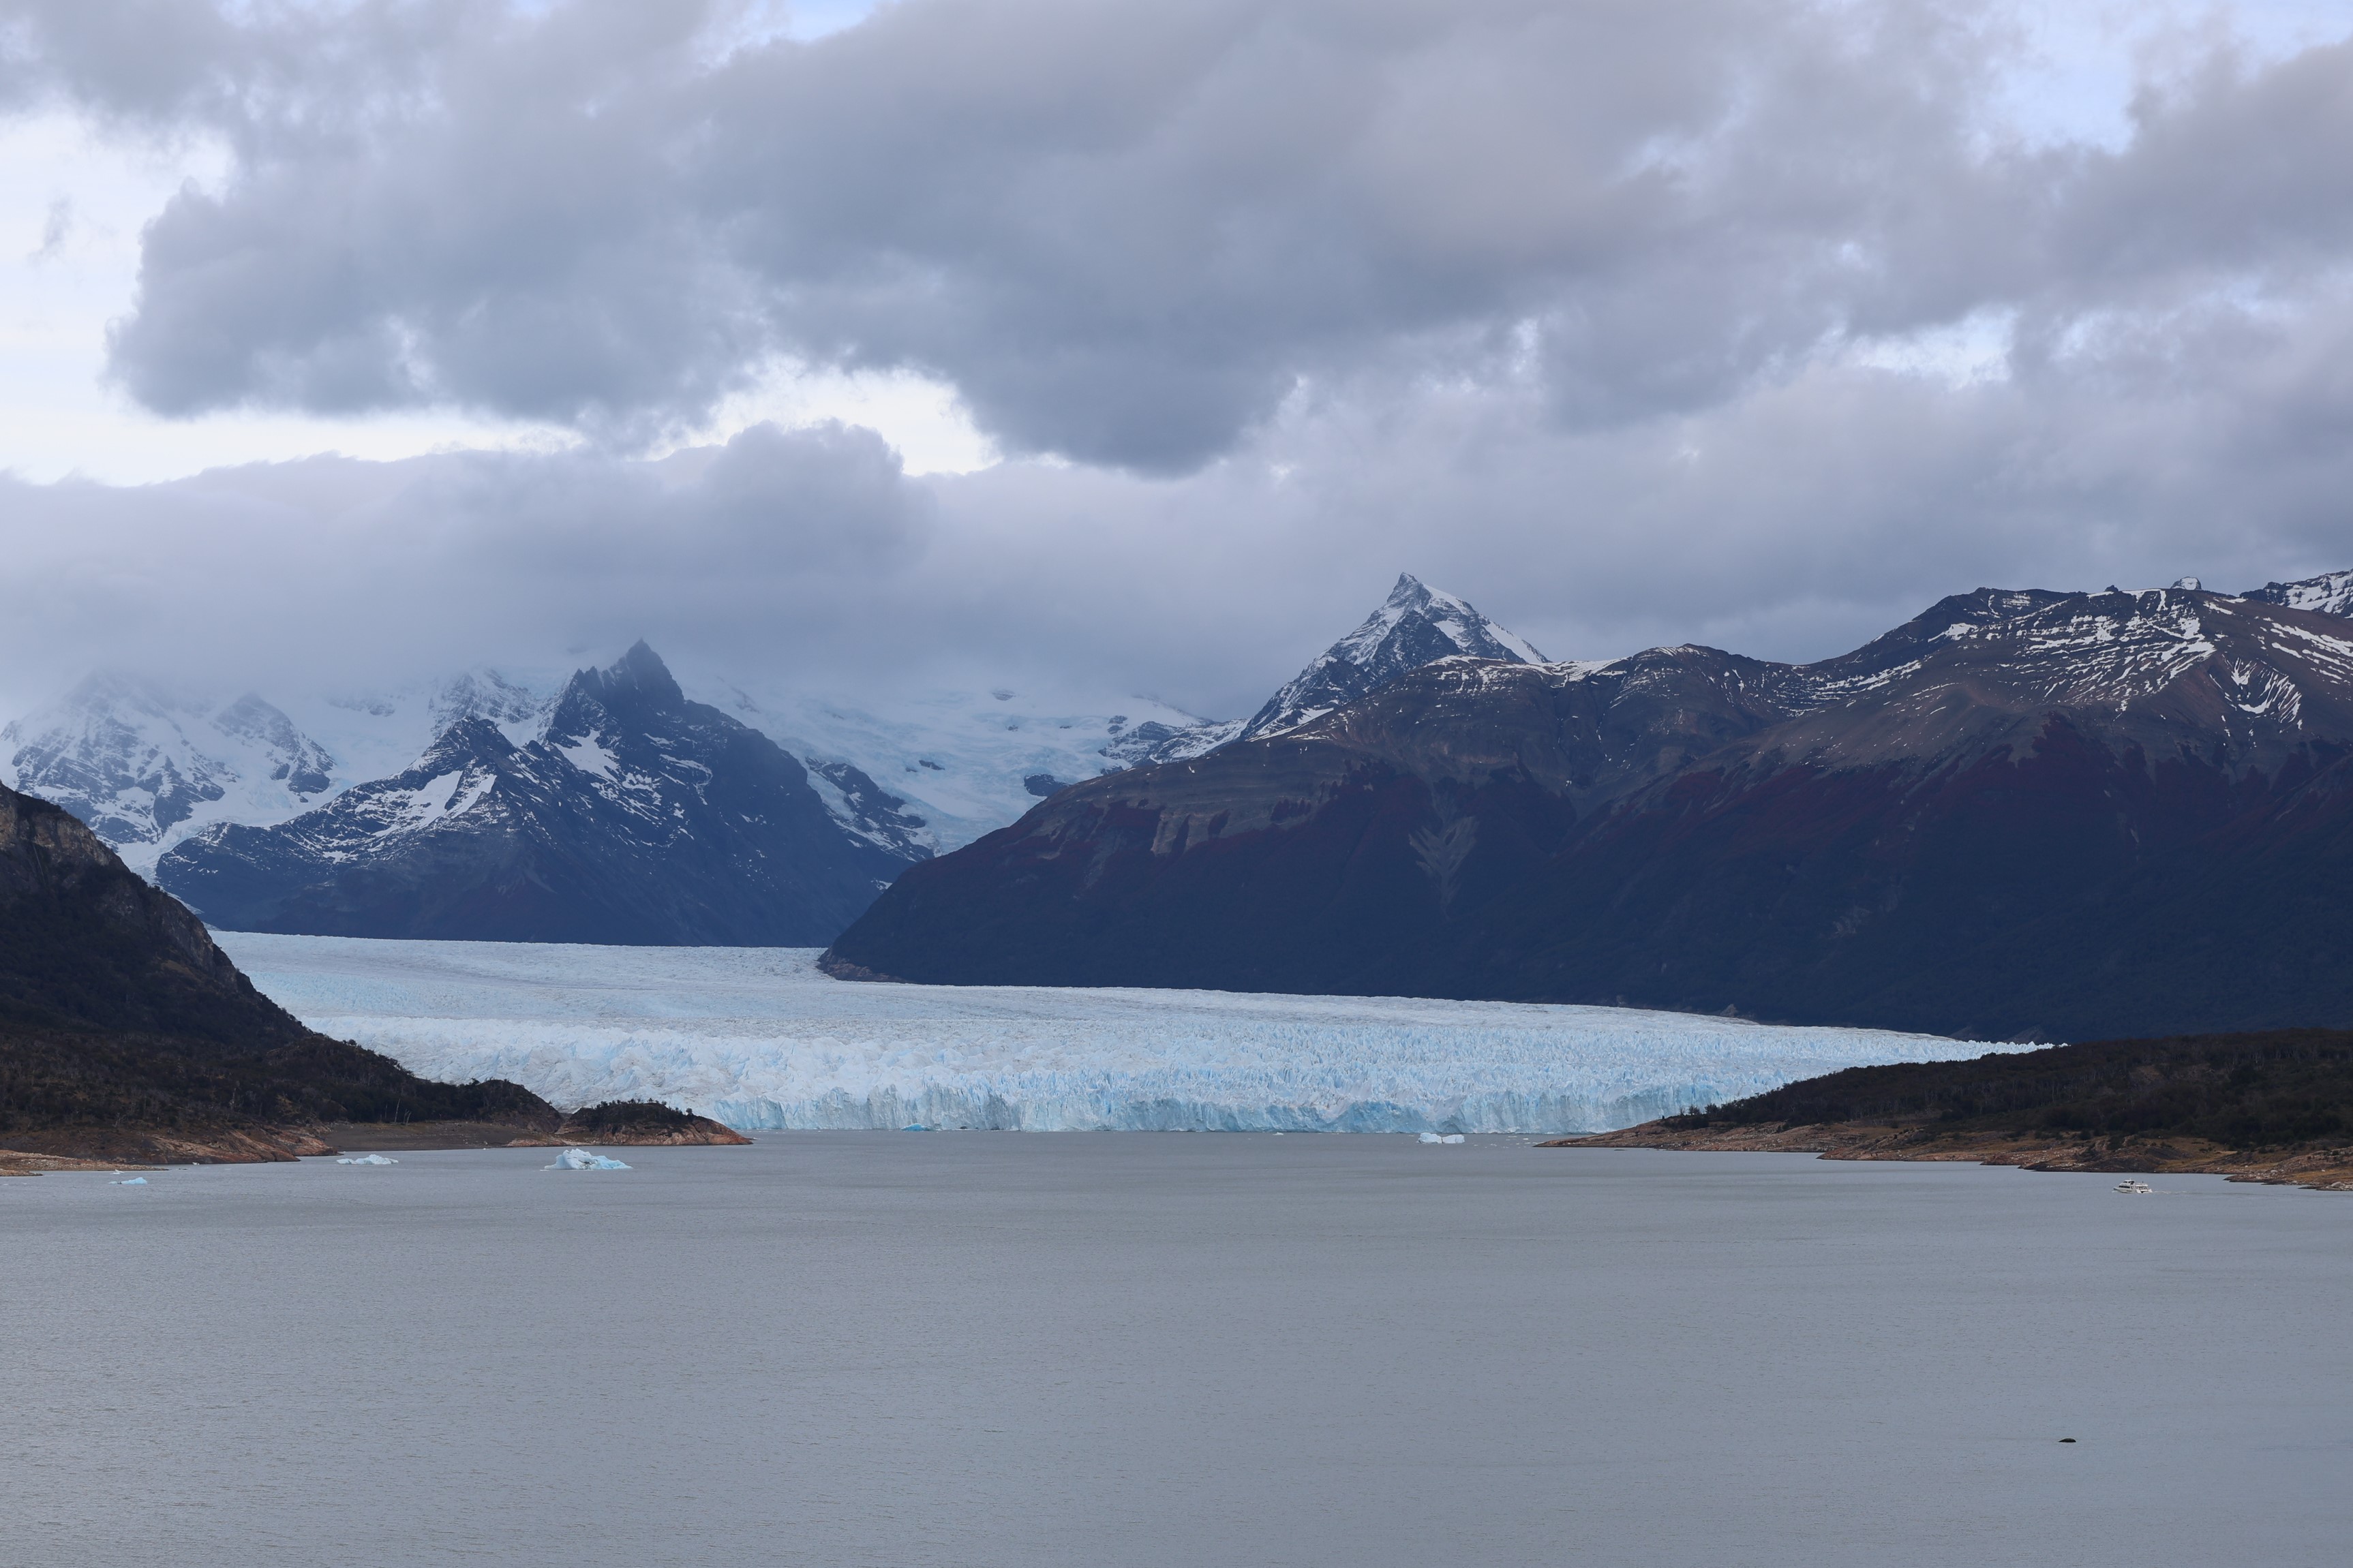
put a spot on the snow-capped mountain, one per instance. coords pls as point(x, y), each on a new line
point(2023, 813)
point(1417, 625)
point(967, 763)
point(958, 762)
point(139, 763)
point(2330, 593)
point(634, 816)
point(1152, 741)
point(147, 764)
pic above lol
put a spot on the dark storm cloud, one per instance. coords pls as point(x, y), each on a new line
point(354, 573)
point(1123, 232)
point(1733, 321)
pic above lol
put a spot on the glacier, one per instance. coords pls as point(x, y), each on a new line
point(759, 1038)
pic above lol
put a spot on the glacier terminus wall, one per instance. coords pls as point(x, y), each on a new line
point(759, 1038)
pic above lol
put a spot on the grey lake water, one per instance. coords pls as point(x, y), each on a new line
point(1138, 1348)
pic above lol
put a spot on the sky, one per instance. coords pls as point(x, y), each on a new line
point(1137, 346)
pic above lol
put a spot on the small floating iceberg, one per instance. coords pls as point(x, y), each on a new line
point(133, 1182)
point(580, 1160)
point(367, 1160)
point(1441, 1137)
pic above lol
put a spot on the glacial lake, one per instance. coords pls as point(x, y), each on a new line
point(1090, 1348)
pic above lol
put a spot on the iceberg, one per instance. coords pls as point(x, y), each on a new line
point(582, 1160)
point(1441, 1137)
point(759, 1038)
point(133, 1182)
point(367, 1160)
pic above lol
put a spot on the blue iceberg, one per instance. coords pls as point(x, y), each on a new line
point(582, 1160)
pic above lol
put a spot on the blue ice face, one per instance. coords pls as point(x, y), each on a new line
point(757, 1037)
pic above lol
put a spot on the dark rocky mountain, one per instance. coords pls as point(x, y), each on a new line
point(637, 816)
point(125, 1033)
point(2021, 813)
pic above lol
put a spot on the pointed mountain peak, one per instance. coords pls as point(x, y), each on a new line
point(642, 669)
point(637, 679)
point(484, 693)
point(469, 740)
point(1417, 624)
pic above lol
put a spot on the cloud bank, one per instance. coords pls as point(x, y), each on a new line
point(1742, 321)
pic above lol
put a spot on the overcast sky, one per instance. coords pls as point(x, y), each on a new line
point(981, 340)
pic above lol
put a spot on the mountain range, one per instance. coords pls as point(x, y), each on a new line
point(2023, 813)
point(634, 816)
point(239, 808)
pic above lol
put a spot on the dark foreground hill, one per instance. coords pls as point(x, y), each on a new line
point(2024, 815)
point(2271, 1106)
point(126, 1033)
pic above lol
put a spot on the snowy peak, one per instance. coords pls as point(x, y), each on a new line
point(516, 709)
point(637, 816)
point(1417, 616)
point(2330, 593)
point(467, 741)
point(142, 763)
point(302, 763)
point(639, 674)
point(632, 690)
point(1418, 625)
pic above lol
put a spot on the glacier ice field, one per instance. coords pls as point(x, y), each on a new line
point(760, 1038)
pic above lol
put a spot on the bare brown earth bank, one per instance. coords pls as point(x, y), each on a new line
point(103, 1148)
point(620, 1123)
point(2324, 1169)
point(15, 1162)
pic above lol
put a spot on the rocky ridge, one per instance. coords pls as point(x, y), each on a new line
point(2024, 814)
point(634, 817)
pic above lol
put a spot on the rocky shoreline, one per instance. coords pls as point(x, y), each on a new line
point(2322, 1169)
point(625, 1125)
